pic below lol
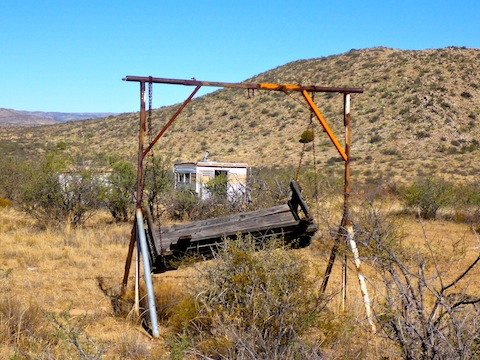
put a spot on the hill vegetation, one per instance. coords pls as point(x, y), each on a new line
point(418, 115)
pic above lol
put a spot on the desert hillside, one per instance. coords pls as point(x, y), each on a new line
point(418, 115)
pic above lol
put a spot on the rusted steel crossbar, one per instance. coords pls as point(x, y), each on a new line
point(252, 86)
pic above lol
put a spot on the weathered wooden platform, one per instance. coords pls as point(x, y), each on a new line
point(291, 221)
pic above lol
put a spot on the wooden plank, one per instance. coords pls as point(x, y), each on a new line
point(297, 200)
point(231, 218)
point(275, 217)
point(243, 217)
point(217, 226)
point(204, 230)
point(206, 235)
point(287, 232)
point(249, 227)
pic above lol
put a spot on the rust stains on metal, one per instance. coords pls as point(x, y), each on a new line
point(251, 86)
point(324, 124)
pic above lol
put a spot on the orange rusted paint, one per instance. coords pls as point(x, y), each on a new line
point(254, 86)
point(327, 129)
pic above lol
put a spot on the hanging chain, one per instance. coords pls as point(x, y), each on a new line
point(152, 154)
point(302, 104)
point(309, 128)
point(154, 199)
point(300, 162)
point(149, 126)
point(149, 120)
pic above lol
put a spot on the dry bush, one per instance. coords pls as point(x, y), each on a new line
point(131, 346)
point(168, 296)
point(75, 341)
point(426, 304)
point(27, 331)
point(252, 304)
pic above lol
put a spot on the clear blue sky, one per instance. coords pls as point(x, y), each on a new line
point(71, 56)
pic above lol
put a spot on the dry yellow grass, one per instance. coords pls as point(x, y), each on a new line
point(56, 272)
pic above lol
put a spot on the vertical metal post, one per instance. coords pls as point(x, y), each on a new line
point(346, 221)
point(350, 235)
point(147, 273)
point(141, 141)
point(346, 122)
point(128, 262)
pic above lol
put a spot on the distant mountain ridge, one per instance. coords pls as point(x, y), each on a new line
point(10, 117)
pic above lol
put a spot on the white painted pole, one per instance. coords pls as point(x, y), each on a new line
point(361, 277)
point(147, 273)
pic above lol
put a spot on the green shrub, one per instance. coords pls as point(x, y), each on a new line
point(13, 173)
point(181, 204)
point(389, 152)
point(123, 185)
point(306, 137)
point(427, 196)
point(375, 138)
point(55, 196)
point(422, 134)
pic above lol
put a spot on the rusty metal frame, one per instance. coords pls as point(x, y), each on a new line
point(346, 229)
point(250, 86)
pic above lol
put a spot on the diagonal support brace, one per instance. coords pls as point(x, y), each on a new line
point(180, 109)
point(327, 129)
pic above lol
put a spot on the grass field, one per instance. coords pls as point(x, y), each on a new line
point(52, 307)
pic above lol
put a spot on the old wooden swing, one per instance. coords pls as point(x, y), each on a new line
point(293, 220)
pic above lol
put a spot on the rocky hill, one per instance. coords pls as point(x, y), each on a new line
point(418, 115)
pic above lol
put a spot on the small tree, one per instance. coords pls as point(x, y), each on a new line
point(54, 196)
point(120, 196)
point(223, 198)
point(158, 181)
point(217, 187)
point(427, 196)
point(270, 186)
point(181, 204)
point(83, 194)
point(13, 172)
